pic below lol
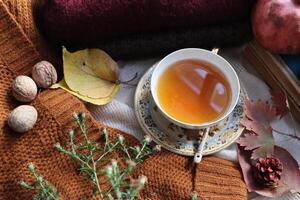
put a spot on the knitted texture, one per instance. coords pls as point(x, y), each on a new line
point(91, 21)
point(173, 178)
point(164, 42)
point(25, 21)
point(153, 27)
point(55, 107)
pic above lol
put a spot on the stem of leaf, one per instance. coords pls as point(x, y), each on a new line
point(293, 123)
point(286, 134)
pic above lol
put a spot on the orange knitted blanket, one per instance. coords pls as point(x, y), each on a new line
point(169, 176)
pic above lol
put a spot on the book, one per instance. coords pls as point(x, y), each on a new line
point(281, 72)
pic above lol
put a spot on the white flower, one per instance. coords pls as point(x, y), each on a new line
point(104, 131)
point(139, 183)
point(142, 181)
point(157, 148)
point(58, 146)
point(121, 139)
point(31, 167)
point(137, 148)
point(131, 163)
point(108, 170)
point(40, 179)
point(147, 138)
point(71, 133)
point(75, 116)
point(114, 163)
point(82, 115)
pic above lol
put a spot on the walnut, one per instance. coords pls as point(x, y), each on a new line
point(22, 118)
point(24, 89)
point(44, 74)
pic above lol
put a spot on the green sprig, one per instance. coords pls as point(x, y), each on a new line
point(46, 191)
point(89, 155)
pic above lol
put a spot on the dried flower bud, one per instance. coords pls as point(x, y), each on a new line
point(24, 89)
point(141, 181)
point(114, 163)
point(25, 185)
point(137, 148)
point(71, 133)
point(121, 139)
point(40, 179)
point(157, 148)
point(194, 196)
point(58, 146)
point(44, 74)
point(75, 116)
point(108, 170)
point(131, 163)
point(22, 118)
point(104, 131)
point(31, 167)
point(81, 116)
point(147, 139)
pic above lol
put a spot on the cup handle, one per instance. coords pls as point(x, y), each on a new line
point(199, 153)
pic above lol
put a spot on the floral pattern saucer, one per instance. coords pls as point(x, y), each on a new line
point(177, 139)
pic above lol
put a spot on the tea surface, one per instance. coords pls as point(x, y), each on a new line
point(193, 91)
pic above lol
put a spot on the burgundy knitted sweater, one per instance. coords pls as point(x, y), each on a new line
point(88, 21)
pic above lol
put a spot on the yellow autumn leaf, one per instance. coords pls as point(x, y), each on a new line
point(91, 73)
point(100, 101)
point(102, 65)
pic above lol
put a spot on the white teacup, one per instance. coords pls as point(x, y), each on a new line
point(219, 63)
point(203, 55)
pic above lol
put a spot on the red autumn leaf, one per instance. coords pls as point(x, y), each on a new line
point(259, 112)
point(262, 143)
point(280, 103)
point(251, 125)
point(258, 142)
point(263, 151)
point(259, 137)
point(290, 178)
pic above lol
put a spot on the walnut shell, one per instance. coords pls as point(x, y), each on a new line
point(24, 89)
point(22, 118)
point(44, 74)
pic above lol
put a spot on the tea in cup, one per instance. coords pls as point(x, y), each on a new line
point(195, 88)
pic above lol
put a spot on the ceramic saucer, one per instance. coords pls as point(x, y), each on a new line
point(180, 140)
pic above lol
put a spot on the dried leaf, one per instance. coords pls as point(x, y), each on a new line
point(259, 112)
point(102, 64)
point(263, 151)
point(252, 141)
point(90, 72)
point(101, 101)
point(251, 125)
point(290, 178)
point(261, 143)
point(258, 136)
point(244, 161)
point(280, 103)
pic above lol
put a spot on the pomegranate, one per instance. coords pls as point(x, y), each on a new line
point(276, 25)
